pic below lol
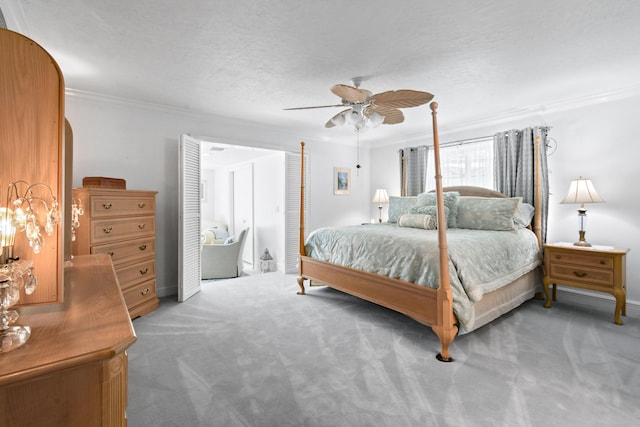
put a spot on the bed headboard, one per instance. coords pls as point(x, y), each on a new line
point(467, 190)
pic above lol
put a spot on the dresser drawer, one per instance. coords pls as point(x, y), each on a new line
point(586, 259)
point(127, 251)
point(577, 273)
point(139, 293)
point(108, 230)
point(135, 273)
point(107, 206)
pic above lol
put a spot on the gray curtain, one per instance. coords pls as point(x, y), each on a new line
point(413, 170)
point(514, 167)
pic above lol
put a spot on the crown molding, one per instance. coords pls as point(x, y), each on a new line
point(256, 134)
point(523, 113)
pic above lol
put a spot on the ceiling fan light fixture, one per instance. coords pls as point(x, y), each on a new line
point(355, 116)
point(375, 119)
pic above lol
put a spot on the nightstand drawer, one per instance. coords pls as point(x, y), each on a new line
point(578, 273)
point(586, 259)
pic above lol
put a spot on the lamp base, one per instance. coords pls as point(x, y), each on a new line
point(581, 241)
point(13, 337)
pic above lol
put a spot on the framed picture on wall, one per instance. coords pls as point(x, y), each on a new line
point(341, 181)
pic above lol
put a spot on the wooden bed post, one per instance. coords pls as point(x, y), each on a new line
point(445, 326)
point(537, 225)
point(301, 250)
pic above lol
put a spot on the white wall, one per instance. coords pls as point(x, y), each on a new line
point(139, 143)
point(269, 199)
point(597, 141)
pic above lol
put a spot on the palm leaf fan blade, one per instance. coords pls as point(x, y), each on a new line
point(403, 98)
point(392, 116)
point(350, 93)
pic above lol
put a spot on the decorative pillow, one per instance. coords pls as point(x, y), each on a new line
point(523, 215)
point(229, 240)
point(207, 237)
point(450, 199)
point(399, 206)
point(429, 210)
point(428, 222)
point(487, 213)
point(220, 233)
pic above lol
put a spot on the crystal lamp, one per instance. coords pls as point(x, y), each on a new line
point(29, 209)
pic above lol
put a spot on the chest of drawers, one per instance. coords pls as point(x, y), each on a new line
point(592, 268)
point(121, 223)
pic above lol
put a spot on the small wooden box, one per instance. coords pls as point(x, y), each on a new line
point(102, 182)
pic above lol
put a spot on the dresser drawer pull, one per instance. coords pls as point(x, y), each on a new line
point(558, 257)
point(141, 205)
point(580, 273)
point(107, 205)
point(142, 247)
point(107, 230)
point(110, 253)
point(145, 271)
point(145, 291)
point(141, 226)
point(603, 262)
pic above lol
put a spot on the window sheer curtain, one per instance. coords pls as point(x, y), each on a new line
point(514, 167)
point(464, 163)
point(413, 170)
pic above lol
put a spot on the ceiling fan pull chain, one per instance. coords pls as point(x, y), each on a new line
point(358, 152)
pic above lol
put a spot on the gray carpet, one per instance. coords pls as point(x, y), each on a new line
point(250, 352)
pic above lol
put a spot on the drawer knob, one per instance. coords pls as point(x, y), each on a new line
point(602, 262)
point(107, 230)
point(107, 205)
point(141, 205)
point(145, 291)
point(580, 273)
point(141, 226)
point(145, 271)
point(110, 253)
point(557, 256)
point(142, 247)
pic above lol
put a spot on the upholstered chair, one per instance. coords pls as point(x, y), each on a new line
point(220, 261)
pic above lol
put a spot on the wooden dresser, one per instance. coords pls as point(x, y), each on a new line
point(121, 223)
point(73, 369)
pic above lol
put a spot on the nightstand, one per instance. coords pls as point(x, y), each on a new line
point(596, 268)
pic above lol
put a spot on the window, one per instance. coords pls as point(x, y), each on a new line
point(467, 163)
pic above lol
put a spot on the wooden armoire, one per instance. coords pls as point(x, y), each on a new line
point(72, 371)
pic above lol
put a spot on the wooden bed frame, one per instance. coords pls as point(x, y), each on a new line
point(431, 307)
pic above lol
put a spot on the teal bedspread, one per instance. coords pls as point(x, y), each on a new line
point(480, 261)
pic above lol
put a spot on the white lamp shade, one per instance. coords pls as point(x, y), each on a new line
point(355, 116)
point(375, 119)
point(381, 196)
point(582, 191)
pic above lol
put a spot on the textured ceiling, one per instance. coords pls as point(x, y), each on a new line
point(249, 59)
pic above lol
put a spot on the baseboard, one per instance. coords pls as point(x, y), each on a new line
point(598, 300)
point(165, 292)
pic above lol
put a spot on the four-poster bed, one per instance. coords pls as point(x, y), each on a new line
point(432, 306)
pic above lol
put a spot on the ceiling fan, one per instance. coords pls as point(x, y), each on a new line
point(364, 107)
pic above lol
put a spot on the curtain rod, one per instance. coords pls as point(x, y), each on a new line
point(478, 138)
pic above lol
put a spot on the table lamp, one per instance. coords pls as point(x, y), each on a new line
point(582, 191)
point(381, 197)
